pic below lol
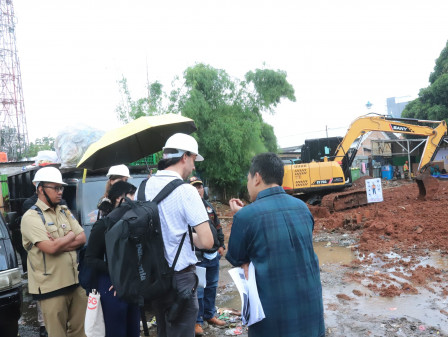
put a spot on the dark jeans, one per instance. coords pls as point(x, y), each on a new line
point(184, 325)
point(207, 295)
point(120, 318)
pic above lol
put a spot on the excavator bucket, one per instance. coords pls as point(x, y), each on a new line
point(427, 186)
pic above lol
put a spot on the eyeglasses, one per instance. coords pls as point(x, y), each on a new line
point(56, 188)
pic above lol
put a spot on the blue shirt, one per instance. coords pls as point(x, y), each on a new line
point(275, 233)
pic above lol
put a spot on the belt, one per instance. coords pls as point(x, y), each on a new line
point(187, 269)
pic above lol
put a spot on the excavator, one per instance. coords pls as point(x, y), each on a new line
point(316, 182)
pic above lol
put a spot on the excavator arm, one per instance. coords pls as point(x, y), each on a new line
point(317, 180)
point(366, 124)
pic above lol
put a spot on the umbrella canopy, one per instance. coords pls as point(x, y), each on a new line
point(135, 140)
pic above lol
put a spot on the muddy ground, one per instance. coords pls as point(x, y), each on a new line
point(384, 267)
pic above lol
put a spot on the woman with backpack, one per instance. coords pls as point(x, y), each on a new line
point(120, 317)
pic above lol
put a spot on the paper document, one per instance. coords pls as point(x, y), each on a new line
point(251, 309)
point(200, 272)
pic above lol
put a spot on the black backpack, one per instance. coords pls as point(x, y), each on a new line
point(135, 250)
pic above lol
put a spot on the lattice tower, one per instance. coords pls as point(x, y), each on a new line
point(13, 128)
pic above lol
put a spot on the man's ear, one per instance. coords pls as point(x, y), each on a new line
point(257, 179)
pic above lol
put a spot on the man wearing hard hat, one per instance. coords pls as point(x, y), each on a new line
point(181, 208)
point(51, 235)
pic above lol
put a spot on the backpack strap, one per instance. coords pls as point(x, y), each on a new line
point(41, 214)
point(178, 251)
point(141, 190)
point(170, 187)
point(39, 211)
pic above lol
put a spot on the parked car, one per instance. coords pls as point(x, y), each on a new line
point(10, 285)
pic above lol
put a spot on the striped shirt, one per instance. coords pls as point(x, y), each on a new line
point(181, 208)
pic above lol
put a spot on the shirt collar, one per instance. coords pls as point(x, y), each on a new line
point(270, 191)
point(43, 206)
point(168, 173)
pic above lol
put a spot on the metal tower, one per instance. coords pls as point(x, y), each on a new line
point(13, 129)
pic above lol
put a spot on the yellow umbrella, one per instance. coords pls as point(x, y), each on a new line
point(135, 140)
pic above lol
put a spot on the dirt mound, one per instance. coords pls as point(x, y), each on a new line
point(360, 183)
point(400, 222)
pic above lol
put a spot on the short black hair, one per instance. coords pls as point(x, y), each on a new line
point(120, 188)
point(269, 166)
point(164, 163)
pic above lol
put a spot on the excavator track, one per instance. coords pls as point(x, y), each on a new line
point(344, 200)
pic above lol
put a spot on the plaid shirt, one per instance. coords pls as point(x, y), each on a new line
point(275, 233)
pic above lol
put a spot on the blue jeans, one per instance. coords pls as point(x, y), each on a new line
point(120, 318)
point(207, 295)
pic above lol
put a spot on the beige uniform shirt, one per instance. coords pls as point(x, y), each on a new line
point(49, 272)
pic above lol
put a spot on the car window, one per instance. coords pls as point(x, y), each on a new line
point(92, 193)
point(3, 230)
point(3, 248)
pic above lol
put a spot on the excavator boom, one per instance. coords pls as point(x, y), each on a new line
point(365, 124)
point(323, 178)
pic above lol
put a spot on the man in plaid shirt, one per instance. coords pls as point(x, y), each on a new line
point(275, 234)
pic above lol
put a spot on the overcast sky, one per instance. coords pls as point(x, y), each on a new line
point(338, 54)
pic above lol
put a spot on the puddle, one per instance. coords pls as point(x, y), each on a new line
point(331, 254)
point(436, 260)
point(419, 307)
point(230, 299)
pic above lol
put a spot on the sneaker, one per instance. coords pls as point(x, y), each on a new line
point(216, 321)
point(198, 330)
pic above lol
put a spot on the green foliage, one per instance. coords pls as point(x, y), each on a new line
point(131, 109)
point(40, 144)
point(441, 66)
point(270, 86)
point(227, 113)
point(12, 142)
point(268, 137)
point(432, 103)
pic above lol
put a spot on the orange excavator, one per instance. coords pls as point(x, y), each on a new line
point(317, 181)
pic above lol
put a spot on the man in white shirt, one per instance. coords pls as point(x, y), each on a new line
point(182, 208)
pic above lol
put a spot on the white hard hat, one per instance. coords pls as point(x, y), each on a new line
point(181, 141)
point(48, 174)
point(119, 170)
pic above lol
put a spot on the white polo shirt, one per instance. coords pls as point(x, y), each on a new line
point(181, 208)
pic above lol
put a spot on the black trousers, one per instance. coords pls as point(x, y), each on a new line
point(184, 325)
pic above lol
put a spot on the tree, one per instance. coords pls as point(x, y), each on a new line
point(228, 115)
point(131, 109)
point(12, 142)
point(432, 101)
point(40, 144)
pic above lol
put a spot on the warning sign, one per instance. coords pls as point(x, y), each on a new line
point(374, 190)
